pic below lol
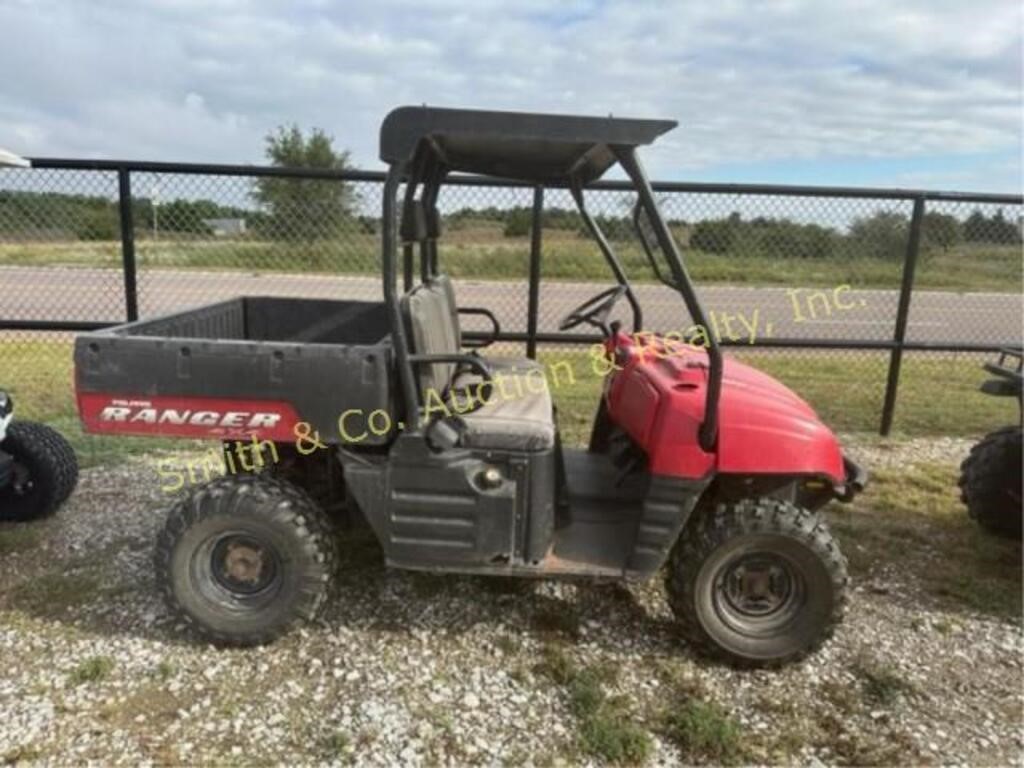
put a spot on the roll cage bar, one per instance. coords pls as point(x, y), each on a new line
point(422, 145)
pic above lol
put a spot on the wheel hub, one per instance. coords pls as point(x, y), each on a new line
point(758, 593)
point(243, 565)
point(757, 586)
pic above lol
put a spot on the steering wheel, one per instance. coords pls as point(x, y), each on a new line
point(595, 310)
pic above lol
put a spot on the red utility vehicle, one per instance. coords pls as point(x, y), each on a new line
point(697, 465)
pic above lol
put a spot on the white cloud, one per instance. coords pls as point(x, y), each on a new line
point(749, 82)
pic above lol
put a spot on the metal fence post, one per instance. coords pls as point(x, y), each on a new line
point(536, 224)
point(902, 313)
point(131, 288)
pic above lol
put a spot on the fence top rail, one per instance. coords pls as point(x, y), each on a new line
point(213, 169)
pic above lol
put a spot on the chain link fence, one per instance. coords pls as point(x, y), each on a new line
point(844, 294)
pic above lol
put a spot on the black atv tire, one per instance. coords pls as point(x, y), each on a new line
point(990, 482)
point(782, 552)
point(45, 472)
point(245, 558)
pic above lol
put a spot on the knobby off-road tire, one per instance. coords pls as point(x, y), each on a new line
point(990, 482)
point(244, 559)
point(46, 471)
point(760, 582)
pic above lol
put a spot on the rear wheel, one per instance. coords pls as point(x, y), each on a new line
point(990, 482)
point(760, 582)
point(245, 558)
point(44, 472)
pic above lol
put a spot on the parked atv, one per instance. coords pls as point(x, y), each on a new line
point(38, 468)
point(698, 466)
point(990, 476)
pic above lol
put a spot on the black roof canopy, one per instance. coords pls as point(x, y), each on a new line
point(514, 145)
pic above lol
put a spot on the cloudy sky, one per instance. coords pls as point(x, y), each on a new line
point(866, 92)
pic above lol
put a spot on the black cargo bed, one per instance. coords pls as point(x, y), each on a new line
point(320, 357)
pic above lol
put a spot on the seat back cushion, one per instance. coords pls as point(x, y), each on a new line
point(430, 328)
point(448, 288)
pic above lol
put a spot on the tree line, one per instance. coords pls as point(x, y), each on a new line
point(316, 209)
point(882, 234)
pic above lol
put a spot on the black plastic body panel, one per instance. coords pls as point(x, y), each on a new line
point(437, 510)
point(432, 510)
point(322, 357)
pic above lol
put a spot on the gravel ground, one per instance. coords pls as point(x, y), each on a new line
point(412, 669)
point(879, 453)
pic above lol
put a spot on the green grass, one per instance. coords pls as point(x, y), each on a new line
point(964, 267)
point(913, 516)
point(92, 670)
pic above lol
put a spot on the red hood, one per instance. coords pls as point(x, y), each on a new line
point(764, 427)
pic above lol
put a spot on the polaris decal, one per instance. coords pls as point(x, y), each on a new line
point(199, 417)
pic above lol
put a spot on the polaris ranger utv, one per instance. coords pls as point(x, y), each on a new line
point(697, 464)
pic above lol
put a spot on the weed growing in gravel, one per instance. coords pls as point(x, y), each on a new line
point(605, 729)
point(336, 744)
point(165, 670)
point(555, 665)
point(880, 684)
point(702, 731)
point(92, 670)
point(608, 736)
point(19, 538)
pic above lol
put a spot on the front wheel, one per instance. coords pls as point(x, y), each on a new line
point(245, 558)
point(760, 582)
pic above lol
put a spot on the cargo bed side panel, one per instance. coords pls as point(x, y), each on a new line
point(194, 374)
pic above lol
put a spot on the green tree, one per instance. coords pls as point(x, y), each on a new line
point(883, 235)
point(305, 209)
point(716, 235)
point(518, 222)
point(940, 230)
point(979, 228)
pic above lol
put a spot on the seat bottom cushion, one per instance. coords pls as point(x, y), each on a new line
point(517, 414)
point(518, 364)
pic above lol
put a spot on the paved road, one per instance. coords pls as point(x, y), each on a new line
point(742, 311)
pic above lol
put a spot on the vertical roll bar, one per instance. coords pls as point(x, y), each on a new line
point(709, 428)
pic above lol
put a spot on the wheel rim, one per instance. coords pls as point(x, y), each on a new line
point(21, 485)
point(237, 570)
point(757, 594)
